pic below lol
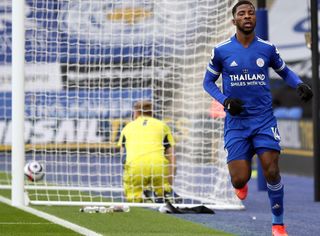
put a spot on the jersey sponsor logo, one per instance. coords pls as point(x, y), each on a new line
point(276, 134)
point(247, 80)
point(260, 62)
point(247, 77)
point(233, 64)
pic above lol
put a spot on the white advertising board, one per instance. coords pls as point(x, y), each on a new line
point(289, 20)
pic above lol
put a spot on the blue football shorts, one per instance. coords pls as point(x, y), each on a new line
point(245, 137)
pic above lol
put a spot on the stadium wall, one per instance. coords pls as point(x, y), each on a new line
point(297, 144)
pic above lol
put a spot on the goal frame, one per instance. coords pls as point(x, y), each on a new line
point(18, 144)
point(18, 86)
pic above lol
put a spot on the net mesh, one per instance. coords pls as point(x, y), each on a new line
point(87, 63)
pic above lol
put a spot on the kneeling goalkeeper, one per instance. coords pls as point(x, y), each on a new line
point(150, 163)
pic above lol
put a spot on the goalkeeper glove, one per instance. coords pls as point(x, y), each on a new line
point(304, 92)
point(233, 106)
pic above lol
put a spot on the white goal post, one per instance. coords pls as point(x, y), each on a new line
point(86, 63)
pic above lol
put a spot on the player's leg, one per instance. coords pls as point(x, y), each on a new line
point(160, 176)
point(132, 193)
point(269, 162)
point(160, 182)
point(132, 183)
point(240, 173)
point(147, 171)
point(266, 144)
point(240, 151)
point(239, 164)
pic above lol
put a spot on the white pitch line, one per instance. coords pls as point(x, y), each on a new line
point(24, 223)
point(54, 219)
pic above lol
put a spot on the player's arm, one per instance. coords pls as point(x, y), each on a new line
point(168, 144)
point(232, 105)
point(169, 153)
point(291, 78)
point(212, 74)
point(122, 145)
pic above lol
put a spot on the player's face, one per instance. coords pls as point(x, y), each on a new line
point(245, 19)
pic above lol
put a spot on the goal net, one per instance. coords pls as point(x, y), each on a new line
point(86, 63)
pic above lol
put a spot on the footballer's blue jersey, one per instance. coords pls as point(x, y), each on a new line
point(245, 74)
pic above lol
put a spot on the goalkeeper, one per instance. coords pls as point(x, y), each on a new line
point(150, 162)
point(250, 126)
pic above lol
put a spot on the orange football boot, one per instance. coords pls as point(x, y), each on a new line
point(279, 230)
point(242, 192)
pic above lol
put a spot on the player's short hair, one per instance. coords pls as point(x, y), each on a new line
point(241, 2)
point(143, 107)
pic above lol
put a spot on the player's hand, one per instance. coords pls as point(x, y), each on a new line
point(233, 106)
point(304, 92)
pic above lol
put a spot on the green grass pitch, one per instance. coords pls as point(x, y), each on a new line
point(137, 222)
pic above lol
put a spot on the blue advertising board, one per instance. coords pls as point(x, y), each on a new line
point(76, 104)
point(90, 31)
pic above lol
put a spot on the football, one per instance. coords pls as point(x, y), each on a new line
point(34, 171)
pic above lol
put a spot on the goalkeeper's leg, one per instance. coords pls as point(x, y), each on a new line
point(162, 186)
point(159, 177)
point(132, 193)
point(132, 183)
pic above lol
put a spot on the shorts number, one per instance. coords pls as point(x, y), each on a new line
point(276, 134)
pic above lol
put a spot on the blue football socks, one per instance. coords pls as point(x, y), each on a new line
point(275, 193)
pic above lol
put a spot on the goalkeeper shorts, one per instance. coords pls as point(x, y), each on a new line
point(145, 174)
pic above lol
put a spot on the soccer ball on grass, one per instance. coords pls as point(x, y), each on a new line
point(34, 171)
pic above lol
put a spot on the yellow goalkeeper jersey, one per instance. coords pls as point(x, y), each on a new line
point(145, 137)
